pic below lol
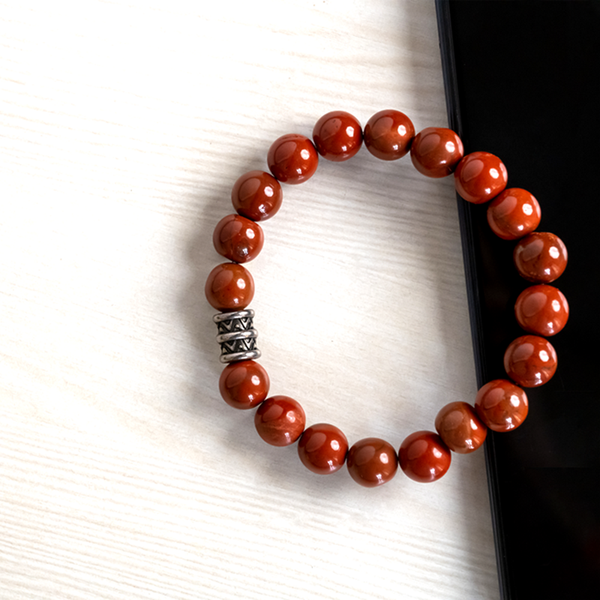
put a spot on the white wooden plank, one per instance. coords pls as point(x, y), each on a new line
point(123, 126)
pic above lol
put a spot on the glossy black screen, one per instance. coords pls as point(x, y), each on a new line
point(523, 82)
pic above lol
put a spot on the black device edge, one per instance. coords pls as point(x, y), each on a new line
point(466, 231)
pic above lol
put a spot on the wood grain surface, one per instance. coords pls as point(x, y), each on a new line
point(123, 125)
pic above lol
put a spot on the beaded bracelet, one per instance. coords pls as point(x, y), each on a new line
point(514, 214)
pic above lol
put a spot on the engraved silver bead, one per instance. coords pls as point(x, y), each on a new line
point(236, 336)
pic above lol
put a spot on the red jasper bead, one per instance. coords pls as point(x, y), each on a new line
point(542, 309)
point(372, 462)
point(388, 134)
point(460, 427)
point(424, 456)
point(257, 195)
point(292, 158)
point(479, 177)
point(530, 361)
point(436, 151)
point(513, 214)
point(280, 420)
point(323, 448)
point(501, 405)
point(540, 257)
point(229, 287)
point(244, 384)
point(337, 136)
point(238, 239)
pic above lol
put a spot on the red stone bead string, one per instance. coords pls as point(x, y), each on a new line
point(513, 214)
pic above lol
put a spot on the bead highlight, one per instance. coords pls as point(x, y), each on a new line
point(540, 257)
point(479, 177)
point(460, 427)
point(337, 136)
point(257, 195)
point(292, 159)
point(280, 420)
point(436, 151)
point(238, 239)
point(322, 448)
point(513, 214)
point(389, 134)
point(424, 457)
point(542, 309)
point(244, 384)
point(372, 462)
point(530, 361)
point(229, 287)
point(501, 405)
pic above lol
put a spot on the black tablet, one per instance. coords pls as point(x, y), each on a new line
point(523, 82)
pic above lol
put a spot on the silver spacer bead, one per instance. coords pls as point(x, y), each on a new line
point(236, 336)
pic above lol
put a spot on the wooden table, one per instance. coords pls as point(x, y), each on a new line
point(123, 474)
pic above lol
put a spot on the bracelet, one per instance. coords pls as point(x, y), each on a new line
point(513, 214)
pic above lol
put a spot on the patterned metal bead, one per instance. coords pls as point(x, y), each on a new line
point(236, 336)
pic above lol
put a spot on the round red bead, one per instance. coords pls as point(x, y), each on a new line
point(460, 427)
point(513, 214)
point(280, 420)
point(229, 287)
point(436, 151)
point(540, 257)
point(542, 309)
point(337, 136)
point(244, 384)
point(292, 158)
point(388, 134)
point(530, 361)
point(501, 405)
point(424, 456)
point(372, 462)
point(238, 239)
point(479, 177)
point(257, 195)
point(322, 448)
